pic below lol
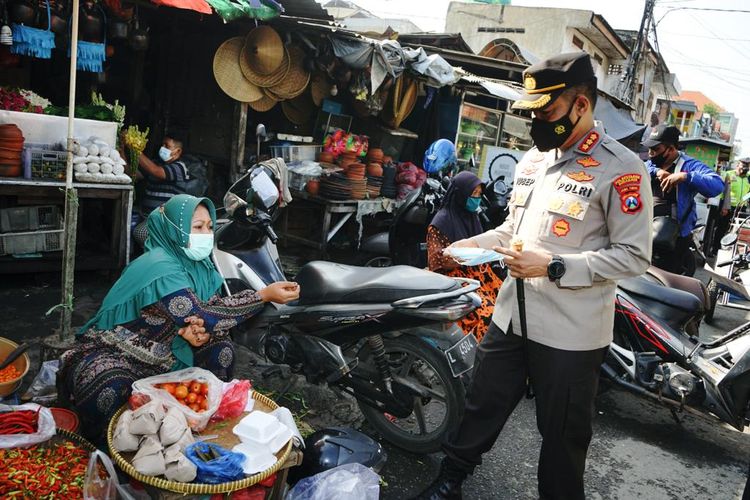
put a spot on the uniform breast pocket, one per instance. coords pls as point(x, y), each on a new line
point(563, 230)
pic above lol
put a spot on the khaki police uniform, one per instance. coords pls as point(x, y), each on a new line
point(593, 207)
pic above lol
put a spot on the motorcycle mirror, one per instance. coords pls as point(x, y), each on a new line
point(729, 240)
point(260, 131)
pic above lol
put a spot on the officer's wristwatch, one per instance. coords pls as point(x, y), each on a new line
point(556, 268)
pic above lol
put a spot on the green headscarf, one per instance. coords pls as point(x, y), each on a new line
point(162, 270)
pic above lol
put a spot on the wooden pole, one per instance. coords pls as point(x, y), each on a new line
point(71, 196)
point(239, 134)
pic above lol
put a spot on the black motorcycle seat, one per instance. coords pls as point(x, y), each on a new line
point(680, 282)
point(673, 306)
point(331, 283)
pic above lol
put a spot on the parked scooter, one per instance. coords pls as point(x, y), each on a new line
point(657, 353)
point(692, 260)
point(384, 336)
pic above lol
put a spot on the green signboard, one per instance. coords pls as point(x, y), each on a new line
point(706, 153)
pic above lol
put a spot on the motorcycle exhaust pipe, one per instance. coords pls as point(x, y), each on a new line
point(612, 375)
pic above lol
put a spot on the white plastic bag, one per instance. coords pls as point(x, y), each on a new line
point(45, 428)
point(345, 482)
point(197, 421)
point(96, 488)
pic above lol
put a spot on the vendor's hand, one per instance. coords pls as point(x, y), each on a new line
point(194, 335)
point(280, 292)
point(525, 264)
point(669, 182)
point(662, 174)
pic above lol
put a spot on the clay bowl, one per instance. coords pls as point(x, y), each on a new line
point(16, 144)
point(10, 131)
point(10, 157)
point(375, 154)
point(374, 170)
point(10, 170)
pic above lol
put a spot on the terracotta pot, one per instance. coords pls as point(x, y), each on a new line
point(326, 157)
point(312, 186)
point(374, 170)
point(375, 154)
point(13, 170)
point(58, 24)
point(15, 144)
point(10, 131)
point(21, 12)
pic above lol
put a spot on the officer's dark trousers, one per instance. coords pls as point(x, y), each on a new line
point(565, 384)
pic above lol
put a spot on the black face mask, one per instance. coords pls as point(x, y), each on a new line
point(550, 135)
point(659, 160)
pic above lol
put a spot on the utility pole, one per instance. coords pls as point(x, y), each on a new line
point(630, 78)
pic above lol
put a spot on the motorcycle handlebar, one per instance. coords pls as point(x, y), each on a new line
point(725, 263)
point(271, 234)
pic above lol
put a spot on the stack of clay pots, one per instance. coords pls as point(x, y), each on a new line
point(355, 172)
point(11, 150)
point(374, 162)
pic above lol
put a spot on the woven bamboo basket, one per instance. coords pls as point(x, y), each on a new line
point(226, 439)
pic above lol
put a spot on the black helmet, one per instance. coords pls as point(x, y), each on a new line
point(329, 448)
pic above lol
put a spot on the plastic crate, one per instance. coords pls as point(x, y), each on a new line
point(48, 161)
point(34, 242)
point(294, 152)
point(32, 218)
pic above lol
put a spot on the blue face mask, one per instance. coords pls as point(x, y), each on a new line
point(201, 246)
point(472, 203)
point(165, 153)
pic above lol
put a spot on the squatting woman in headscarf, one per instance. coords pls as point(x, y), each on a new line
point(458, 219)
point(163, 314)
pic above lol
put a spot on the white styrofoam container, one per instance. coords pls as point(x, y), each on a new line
point(47, 129)
point(256, 459)
point(257, 426)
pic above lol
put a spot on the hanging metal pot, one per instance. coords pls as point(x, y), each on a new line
point(138, 37)
point(21, 12)
point(91, 23)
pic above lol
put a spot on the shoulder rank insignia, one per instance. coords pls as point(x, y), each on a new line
point(530, 170)
point(588, 162)
point(560, 228)
point(589, 142)
point(580, 176)
point(628, 186)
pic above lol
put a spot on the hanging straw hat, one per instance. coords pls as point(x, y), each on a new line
point(300, 109)
point(270, 95)
point(264, 80)
point(264, 50)
point(263, 104)
point(320, 87)
point(228, 75)
point(295, 82)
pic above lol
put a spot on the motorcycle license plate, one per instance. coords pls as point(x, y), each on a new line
point(461, 355)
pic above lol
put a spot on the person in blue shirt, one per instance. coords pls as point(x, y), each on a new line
point(676, 179)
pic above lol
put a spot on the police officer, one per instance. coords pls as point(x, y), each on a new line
point(582, 206)
point(736, 186)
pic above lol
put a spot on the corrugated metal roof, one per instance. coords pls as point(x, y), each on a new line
point(309, 9)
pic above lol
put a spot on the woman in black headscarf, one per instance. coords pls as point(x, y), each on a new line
point(458, 219)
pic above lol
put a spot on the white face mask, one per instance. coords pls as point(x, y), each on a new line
point(201, 246)
point(165, 153)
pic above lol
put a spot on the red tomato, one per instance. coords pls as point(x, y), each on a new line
point(196, 387)
point(191, 398)
point(181, 392)
point(204, 389)
point(194, 407)
point(168, 387)
point(199, 398)
point(204, 404)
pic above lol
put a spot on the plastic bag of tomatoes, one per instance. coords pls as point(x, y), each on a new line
point(194, 391)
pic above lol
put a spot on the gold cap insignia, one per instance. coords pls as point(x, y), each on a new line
point(560, 129)
point(529, 82)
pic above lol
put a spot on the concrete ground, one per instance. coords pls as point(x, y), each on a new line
point(638, 450)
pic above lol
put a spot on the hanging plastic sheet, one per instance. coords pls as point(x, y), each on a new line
point(262, 10)
point(437, 70)
point(196, 5)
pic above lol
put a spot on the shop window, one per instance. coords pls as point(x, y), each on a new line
point(577, 42)
point(614, 69)
point(479, 127)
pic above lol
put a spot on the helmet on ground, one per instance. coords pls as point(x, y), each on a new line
point(329, 448)
point(440, 154)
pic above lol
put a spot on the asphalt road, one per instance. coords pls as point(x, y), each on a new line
point(638, 451)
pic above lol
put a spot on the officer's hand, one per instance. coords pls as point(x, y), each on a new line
point(668, 183)
point(525, 264)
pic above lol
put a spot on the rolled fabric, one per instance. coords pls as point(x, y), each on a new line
point(94, 150)
point(106, 168)
point(81, 168)
point(93, 167)
point(118, 169)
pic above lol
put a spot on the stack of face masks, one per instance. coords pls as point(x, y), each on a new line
point(474, 256)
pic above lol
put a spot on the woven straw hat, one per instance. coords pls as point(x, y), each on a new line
point(264, 80)
point(264, 50)
point(295, 82)
point(263, 104)
point(270, 95)
point(320, 87)
point(300, 109)
point(228, 74)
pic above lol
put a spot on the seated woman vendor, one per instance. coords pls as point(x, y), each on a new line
point(163, 314)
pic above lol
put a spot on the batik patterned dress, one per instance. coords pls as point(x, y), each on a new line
point(477, 321)
point(96, 375)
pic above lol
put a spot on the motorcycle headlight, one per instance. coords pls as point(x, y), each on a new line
point(232, 202)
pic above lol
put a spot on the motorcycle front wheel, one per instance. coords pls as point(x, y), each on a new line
point(423, 431)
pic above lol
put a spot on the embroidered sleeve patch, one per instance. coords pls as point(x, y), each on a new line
point(580, 176)
point(560, 228)
point(588, 162)
point(589, 142)
point(628, 186)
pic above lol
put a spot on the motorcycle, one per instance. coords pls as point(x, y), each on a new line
point(384, 336)
point(657, 353)
point(692, 260)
